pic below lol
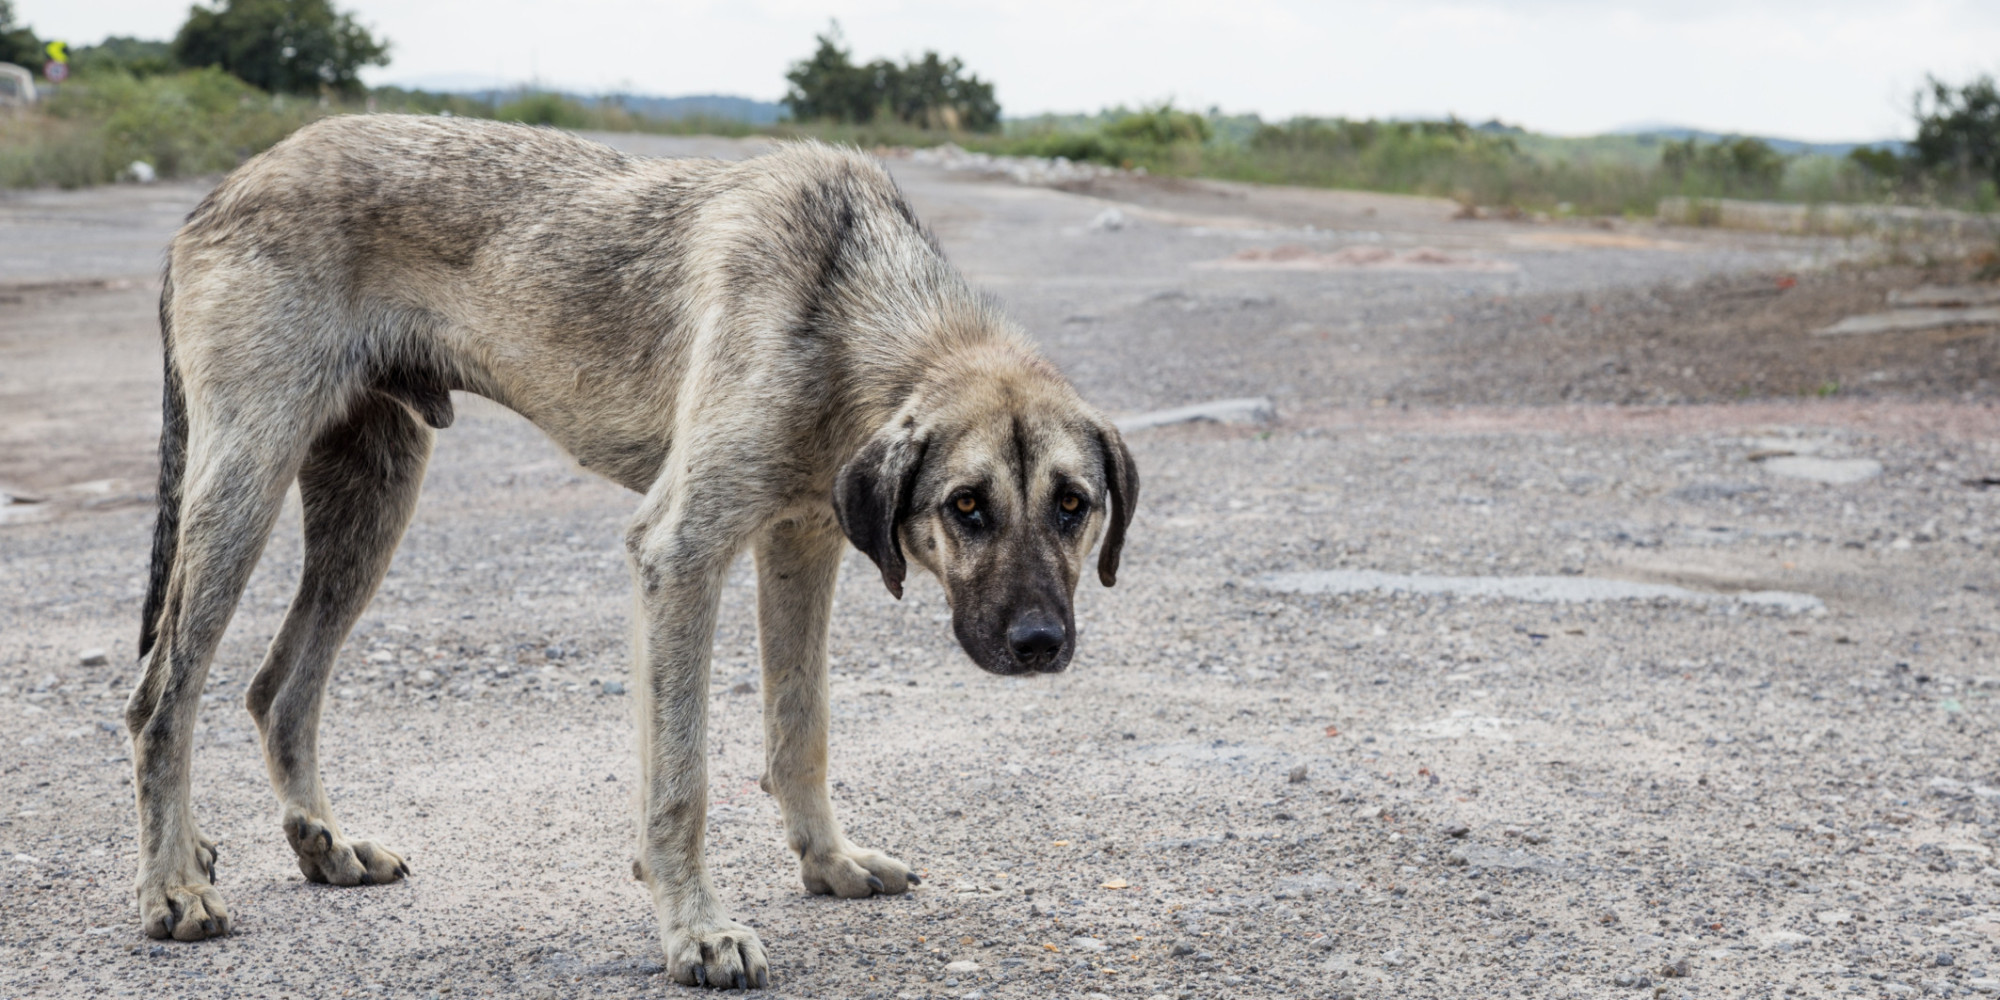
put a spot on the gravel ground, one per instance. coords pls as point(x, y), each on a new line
point(1237, 791)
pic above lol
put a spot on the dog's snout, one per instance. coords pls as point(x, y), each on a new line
point(1035, 636)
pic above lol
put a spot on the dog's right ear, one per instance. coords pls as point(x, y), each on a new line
point(871, 495)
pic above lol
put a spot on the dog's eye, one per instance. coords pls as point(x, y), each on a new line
point(966, 504)
point(1071, 502)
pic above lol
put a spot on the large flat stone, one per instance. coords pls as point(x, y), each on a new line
point(1913, 320)
point(1251, 410)
point(1534, 589)
point(1945, 296)
point(1834, 471)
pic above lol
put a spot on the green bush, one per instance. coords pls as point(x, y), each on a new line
point(192, 122)
point(544, 109)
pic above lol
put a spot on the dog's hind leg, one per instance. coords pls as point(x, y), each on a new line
point(358, 487)
point(797, 564)
point(233, 487)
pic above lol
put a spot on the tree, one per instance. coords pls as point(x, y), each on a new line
point(283, 46)
point(829, 87)
point(18, 44)
point(1958, 129)
point(931, 92)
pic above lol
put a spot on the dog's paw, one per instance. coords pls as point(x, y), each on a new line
point(722, 953)
point(192, 911)
point(852, 872)
point(325, 856)
point(179, 901)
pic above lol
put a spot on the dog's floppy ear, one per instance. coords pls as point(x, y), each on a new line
point(871, 495)
point(1122, 478)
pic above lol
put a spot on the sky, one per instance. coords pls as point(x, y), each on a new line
point(1823, 70)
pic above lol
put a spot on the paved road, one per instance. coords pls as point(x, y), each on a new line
point(1343, 728)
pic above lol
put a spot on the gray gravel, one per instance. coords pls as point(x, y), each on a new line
point(1235, 792)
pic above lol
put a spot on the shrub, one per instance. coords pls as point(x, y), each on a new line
point(192, 122)
point(544, 109)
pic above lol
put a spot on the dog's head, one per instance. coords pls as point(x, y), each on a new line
point(999, 486)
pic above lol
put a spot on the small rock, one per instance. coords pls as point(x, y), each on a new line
point(1181, 948)
point(744, 687)
point(1456, 830)
point(1297, 775)
point(1086, 944)
point(1370, 812)
point(139, 172)
point(963, 966)
point(1784, 940)
point(1393, 958)
point(1834, 918)
point(1632, 978)
point(1109, 220)
point(1606, 917)
point(1535, 837)
point(92, 658)
point(1676, 969)
point(1456, 859)
point(612, 687)
point(1945, 958)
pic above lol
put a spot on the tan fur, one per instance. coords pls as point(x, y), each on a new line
point(771, 352)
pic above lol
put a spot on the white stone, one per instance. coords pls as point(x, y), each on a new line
point(1248, 410)
point(1784, 940)
point(1832, 471)
point(963, 966)
point(1086, 944)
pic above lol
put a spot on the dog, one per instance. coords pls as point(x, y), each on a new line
point(773, 352)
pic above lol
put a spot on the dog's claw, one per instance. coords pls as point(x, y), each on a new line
point(326, 836)
point(739, 983)
point(875, 883)
point(763, 979)
point(914, 879)
point(700, 975)
point(208, 926)
point(367, 878)
point(404, 868)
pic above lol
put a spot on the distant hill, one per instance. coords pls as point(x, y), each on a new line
point(1790, 147)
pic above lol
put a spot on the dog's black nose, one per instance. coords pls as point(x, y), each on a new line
point(1035, 637)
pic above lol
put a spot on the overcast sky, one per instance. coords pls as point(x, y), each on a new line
point(1808, 69)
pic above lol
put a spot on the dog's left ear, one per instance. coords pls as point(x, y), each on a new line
point(1122, 478)
point(871, 495)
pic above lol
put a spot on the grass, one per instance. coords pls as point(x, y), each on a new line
point(199, 121)
point(204, 121)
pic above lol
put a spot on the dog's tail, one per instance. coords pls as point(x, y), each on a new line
point(173, 461)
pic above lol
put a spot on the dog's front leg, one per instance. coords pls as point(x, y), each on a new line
point(680, 562)
point(797, 565)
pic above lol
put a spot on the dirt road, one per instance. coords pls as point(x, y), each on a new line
point(1584, 626)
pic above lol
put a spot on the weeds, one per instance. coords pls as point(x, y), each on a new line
point(198, 121)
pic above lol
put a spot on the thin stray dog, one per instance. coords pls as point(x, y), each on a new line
point(774, 352)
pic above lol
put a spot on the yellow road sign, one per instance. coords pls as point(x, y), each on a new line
point(58, 51)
